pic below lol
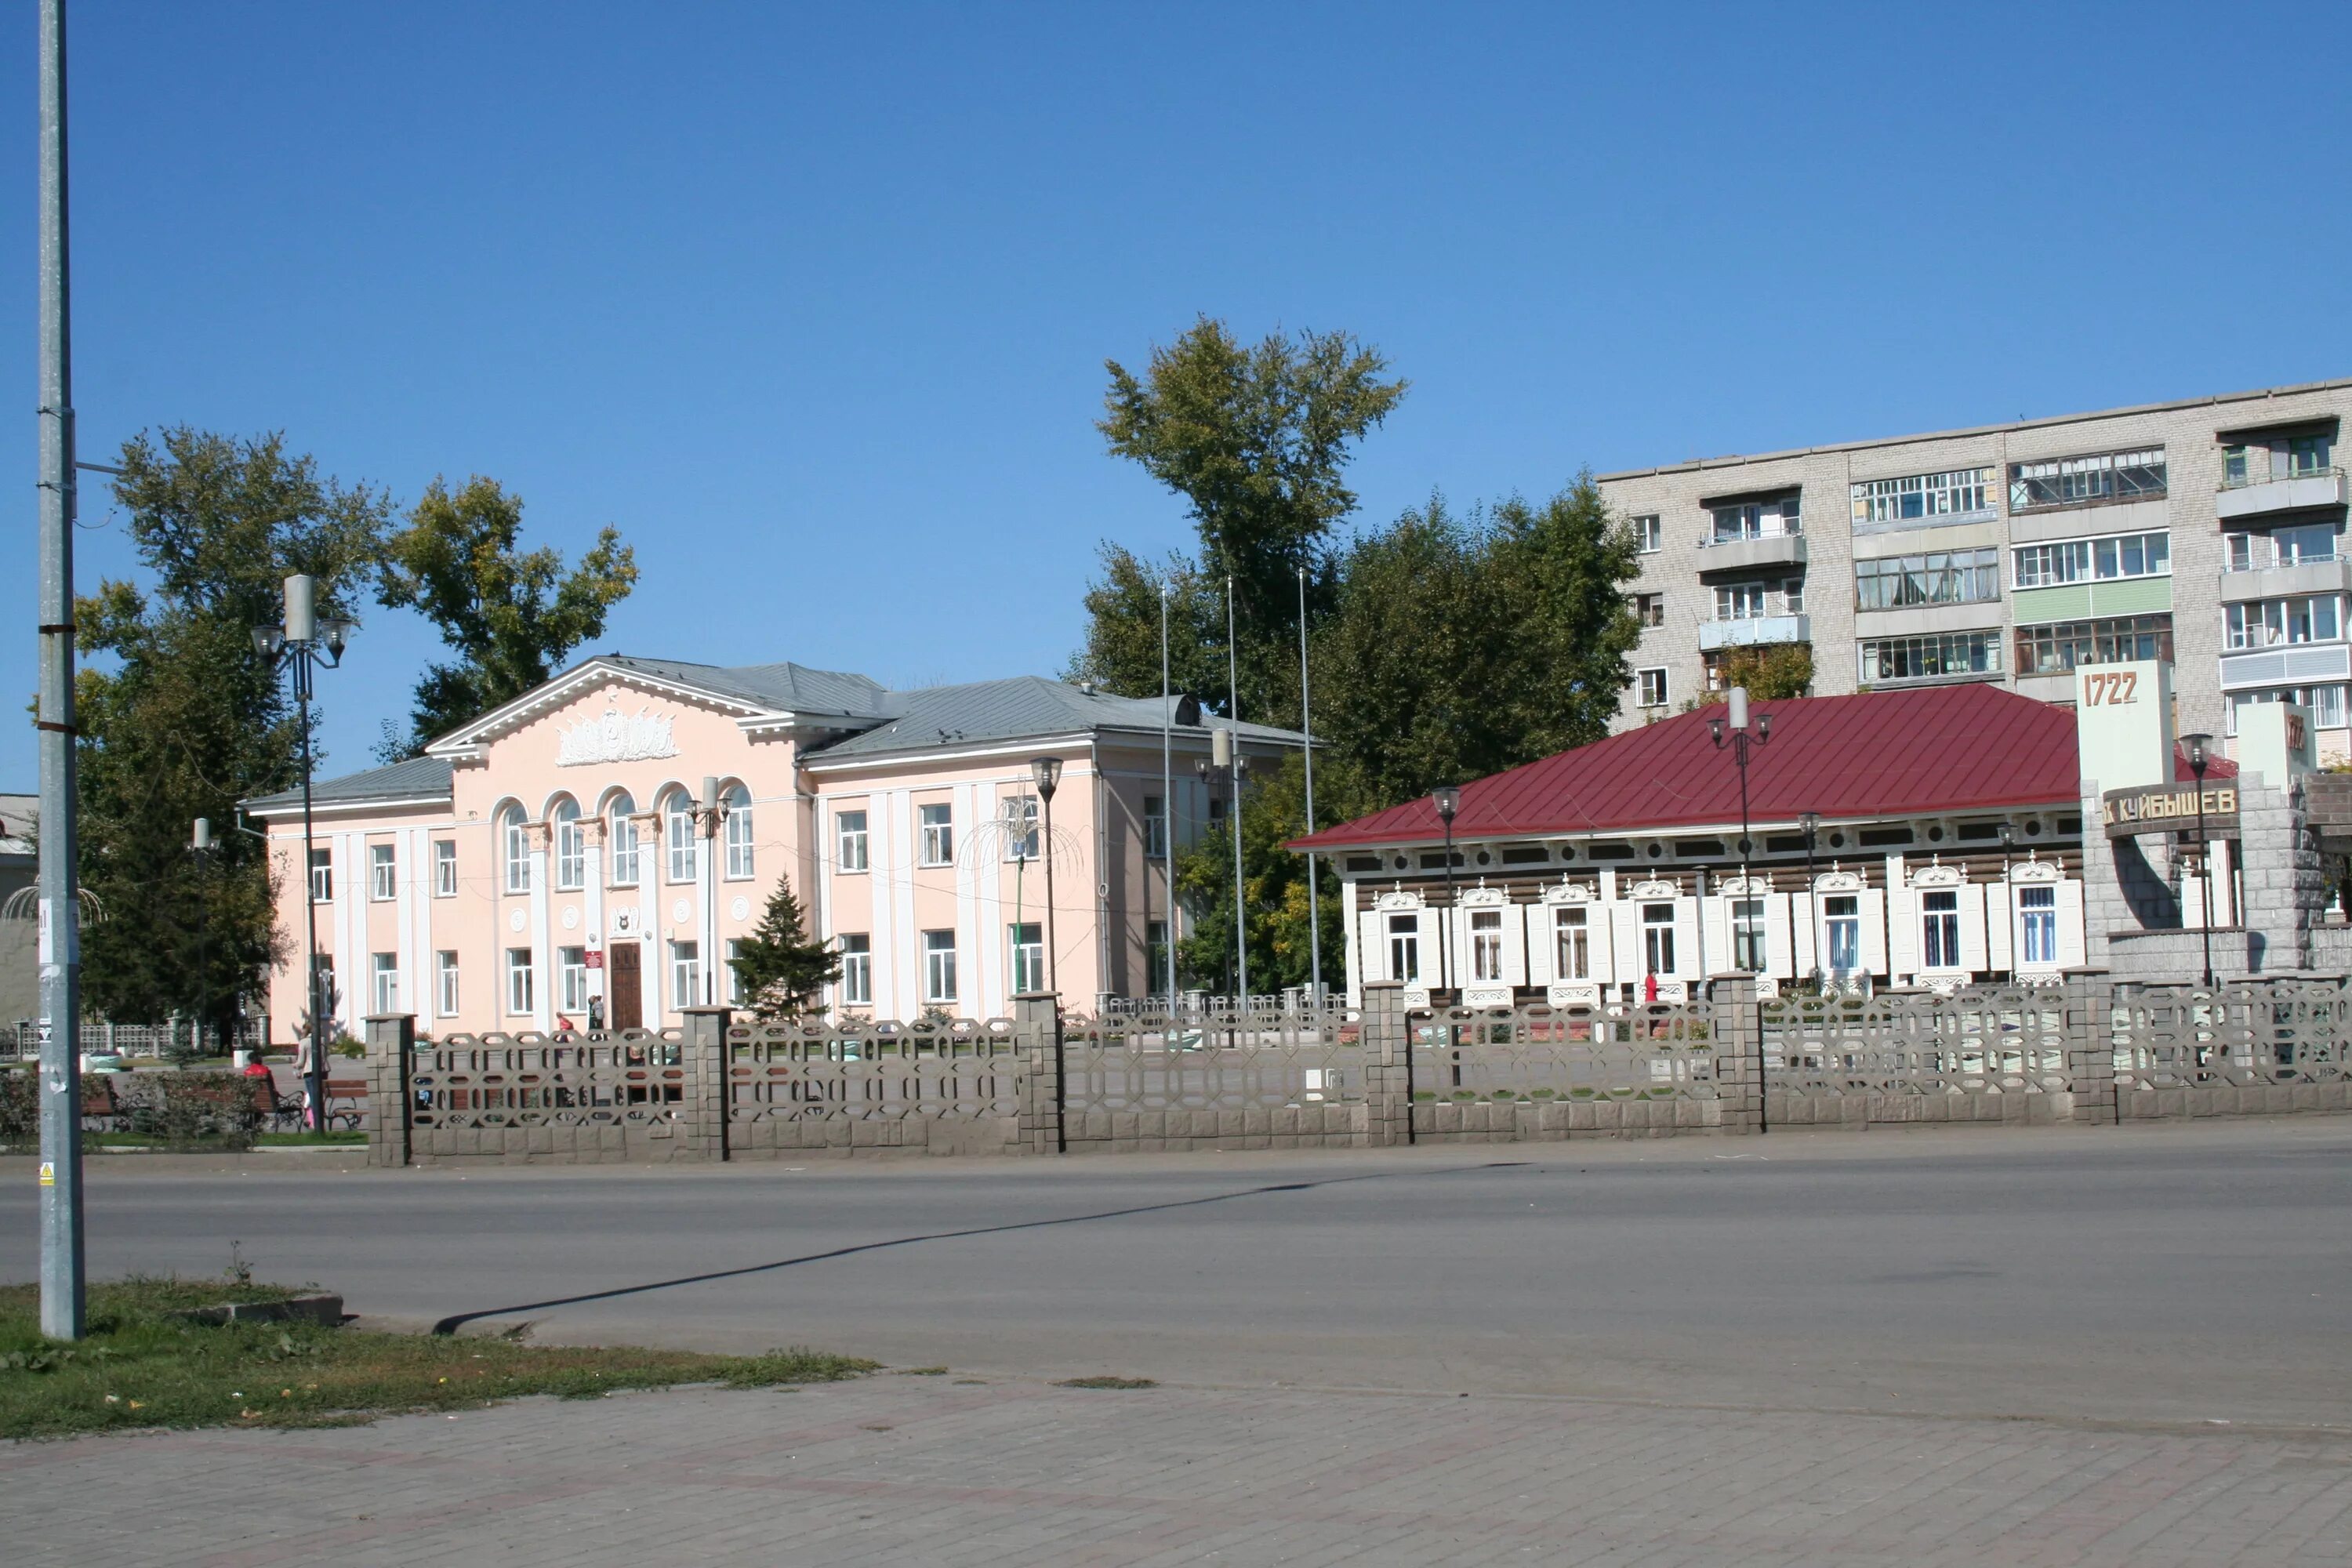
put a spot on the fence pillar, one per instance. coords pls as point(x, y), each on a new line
point(1388, 1100)
point(2090, 1044)
point(1739, 1076)
point(704, 1128)
point(391, 1049)
point(1037, 1017)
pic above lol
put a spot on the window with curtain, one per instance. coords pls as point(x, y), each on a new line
point(515, 834)
point(621, 839)
point(571, 846)
point(677, 828)
point(738, 833)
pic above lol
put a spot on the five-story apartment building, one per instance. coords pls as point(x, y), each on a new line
point(2209, 531)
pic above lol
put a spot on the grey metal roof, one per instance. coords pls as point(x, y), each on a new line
point(791, 688)
point(419, 778)
point(985, 711)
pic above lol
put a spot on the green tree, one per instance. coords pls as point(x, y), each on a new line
point(1257, 439)
point(1771, 672)
point(780, 968)
point(1122, 652)
point(181, 719)
point(510, 615)
point(1274, 879)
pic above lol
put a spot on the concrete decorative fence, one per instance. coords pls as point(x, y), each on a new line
point(1043, 1082)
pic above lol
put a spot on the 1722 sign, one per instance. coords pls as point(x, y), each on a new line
point(2110, 689)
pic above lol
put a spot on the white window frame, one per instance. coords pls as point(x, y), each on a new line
point(1649, 534)
point(1641, 687)
point(1658, 939)
point(383, 878)
point(851, 844)
point(1571, 932)
point(937, 819)
point(856, 981)
point(731, 984)
point(1021, 809)
point(572, 980)
point(741, 855)
point(571, 847)
point(678, 840)
point(2037, 917)
point(2056, 562)
point(1914, 498)
point(1486, 946)
point(384, 981)
point(446, 981)
point(1842, 929)
point(1404, 949)
point(522, 986)
point(323, 876)
point(1155, 827)
point(1752, 938)
point(444, 868)
point(1026, 939)
point(624, 844)
point(1939, 928)
point(938, 967)
point(514, 834)
point(685, 973)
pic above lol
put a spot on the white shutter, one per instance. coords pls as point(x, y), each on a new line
point(1972, 928)
point(2000, 926)
point(1433, 952)
point(1624, 943)
point(2070, 923)
point(1515, 945)
point(1714, 917)
point(1536, 937)
point(1873, 931)
point(1686, 945)
point(1902, 929)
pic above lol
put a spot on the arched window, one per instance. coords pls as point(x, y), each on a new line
point(677, 824)
point(622, 839)
point(516, 837)
point(739, 832)
point(571, 846)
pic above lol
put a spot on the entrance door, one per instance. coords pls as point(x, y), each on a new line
point(626, 1009)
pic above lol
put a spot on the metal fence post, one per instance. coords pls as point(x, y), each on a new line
point(391, 1048)
point(1740, 1074)
point(706, 1081)
point(1388, 1100)
point(1038, 1017)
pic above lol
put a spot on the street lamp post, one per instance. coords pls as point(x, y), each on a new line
point(1046, 772)
point(2200, 759)
point(1447, 798)
point(2009, 891)
point(1733, 727)
point(303, 641)
point(200, 850)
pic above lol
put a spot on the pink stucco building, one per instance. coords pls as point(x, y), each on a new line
point(555, 857)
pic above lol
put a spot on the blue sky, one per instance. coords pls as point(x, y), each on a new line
point(814, 302)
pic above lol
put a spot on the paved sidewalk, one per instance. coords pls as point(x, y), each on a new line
point(906, 1469)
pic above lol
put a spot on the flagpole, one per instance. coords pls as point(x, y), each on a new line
point(1167, 797)
point(1306, 727)
point(1234, 709)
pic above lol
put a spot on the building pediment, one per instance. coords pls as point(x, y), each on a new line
point(615, 715)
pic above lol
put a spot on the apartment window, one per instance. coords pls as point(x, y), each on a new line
point(322, 877)
point(1919, 497)
point(444, 868)
point(738, 834)
point(1650, 609)
point(1940, 929)
point(1572, 942)
point(1649, 536)
point(1751, 601)
point(1028, 958)
point(2087, 480)
point(621, 839)
point(1757, 520)
point(1843, 918)
point(514, 834)
point(1933, 658)
point(571, 847)
point(1404, 949)
point(938, 967)
point(857, 970)
point(383, 884)
point(2277, 457)
point(1155, 946)
point(2325, 703)
point(2060, 645)
point(685, 974)
point(1941, 577)
point(1020, 827)
point(384, 975)
point(1155, 827)
point(1486, 945)
point(1658, 937)
point(2081, 560)
point(1653, 687)
point(2271, 623)
point(939, 834)
point(444, 982)
point(571, 979)
point(2302, 545)
point(678, 833)
point(849, 841)
point(730, 983)
point(519, 997)
point(1748, 935)
point(2037, 912)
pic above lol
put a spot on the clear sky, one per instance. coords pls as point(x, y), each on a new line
point(813, 302)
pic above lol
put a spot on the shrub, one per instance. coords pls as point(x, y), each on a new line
point(184, 1110)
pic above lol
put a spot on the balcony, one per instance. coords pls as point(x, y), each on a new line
point(2292, 664)
point(2265, 574)
point(2261, 493)
point(1773, 541)
point(1759, 620)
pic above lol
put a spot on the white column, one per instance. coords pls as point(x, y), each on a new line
point(351, 965)
point(896, 974)
point(404, 879)
point(591, 909)
point(965, 808)
point(893, 866)
point(543, 956)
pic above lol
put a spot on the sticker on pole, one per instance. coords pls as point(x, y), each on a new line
point(48, 1173)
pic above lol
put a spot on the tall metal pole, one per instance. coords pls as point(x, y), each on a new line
point(314, 1078)
point(63, 1281)
point(1241, 919)
point(1167, 800)
point(1306, 727)
point(2205, 873)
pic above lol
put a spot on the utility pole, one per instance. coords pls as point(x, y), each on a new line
point(1306, 727)
point(63, 1281)
point(1234, 700)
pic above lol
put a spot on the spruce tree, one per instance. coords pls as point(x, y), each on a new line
point(780, 968)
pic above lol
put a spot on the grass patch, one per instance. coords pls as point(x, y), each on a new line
point(1107, 1382)
point(141, 1366)
point(310, 1140)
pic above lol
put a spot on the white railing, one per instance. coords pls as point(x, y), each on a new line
point(2269, 476)
point(1773, 606)
point(2263, 555)
point(1768, 528)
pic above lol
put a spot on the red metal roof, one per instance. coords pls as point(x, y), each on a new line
point(1881, 753)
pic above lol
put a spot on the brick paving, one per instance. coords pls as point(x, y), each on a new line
point(905, 1469)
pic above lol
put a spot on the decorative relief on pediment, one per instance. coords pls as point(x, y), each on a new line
point(614, 736)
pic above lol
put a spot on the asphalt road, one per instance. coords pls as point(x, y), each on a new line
point(2164, 1274)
